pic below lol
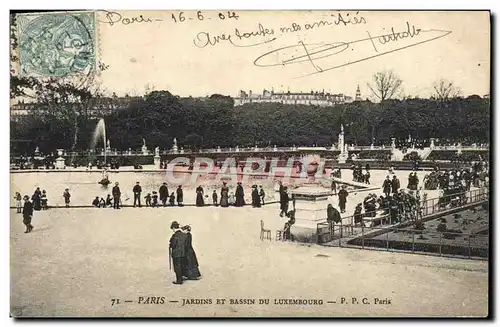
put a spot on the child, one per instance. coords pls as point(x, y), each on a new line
point(108, 201)
point(19, 205)
point(155, 199)
point(66, 196)
point(44, 200)
point(148, 200)
point(171, 200)
point(214, 198)
point(95, 203)
point(102, 203)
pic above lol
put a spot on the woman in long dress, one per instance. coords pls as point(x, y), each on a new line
point(199, 196)
point(224, 196)
point(37, 199)
point(191, 270)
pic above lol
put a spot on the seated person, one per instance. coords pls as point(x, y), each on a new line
point(358, 215)
point(102, 203)
point(286, 229)
point(108, 201)
point(95, 203)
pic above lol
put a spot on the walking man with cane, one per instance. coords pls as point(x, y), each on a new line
point(177, 249)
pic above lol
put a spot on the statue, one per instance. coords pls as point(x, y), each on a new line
point(109, 145)
point(157, 151)
point(143, 142)
point(342, 128)
point(175, 142)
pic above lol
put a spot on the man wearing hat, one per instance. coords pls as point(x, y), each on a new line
point(137, 194)
point(164, 193)
point(342, 198)
point(177, 250)
point(27, 214)
point(116, 196)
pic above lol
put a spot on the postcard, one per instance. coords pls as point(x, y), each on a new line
point(232, 163)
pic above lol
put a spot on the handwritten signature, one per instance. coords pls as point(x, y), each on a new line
point(113, 17)
point(315, 53)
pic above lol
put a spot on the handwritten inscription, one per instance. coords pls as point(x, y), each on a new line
point(181, 17)
point(322, 53)
point(204, 39)
point(112, 18)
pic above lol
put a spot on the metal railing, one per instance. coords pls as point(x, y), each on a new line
point(367, 236)
point(443, 243)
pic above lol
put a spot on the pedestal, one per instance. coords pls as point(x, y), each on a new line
point(157, 162)
point(343, 157)
point(175, 149)
point(310, 209)
point(60, 163)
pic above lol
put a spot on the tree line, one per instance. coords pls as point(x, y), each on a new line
point(160, 116)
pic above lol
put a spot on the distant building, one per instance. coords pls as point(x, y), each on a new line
point(312, 98)
point(358, 95)
point(102, 107)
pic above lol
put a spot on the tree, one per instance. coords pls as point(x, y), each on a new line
point(444, 90)
point(62, 102)
point(385, 85)
point(193, 140)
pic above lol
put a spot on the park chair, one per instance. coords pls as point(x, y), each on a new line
point(264, 233)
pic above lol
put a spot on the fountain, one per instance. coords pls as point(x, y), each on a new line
point(175, 149)
point(99, 133)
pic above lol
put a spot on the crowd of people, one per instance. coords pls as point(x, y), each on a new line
point(358, 176)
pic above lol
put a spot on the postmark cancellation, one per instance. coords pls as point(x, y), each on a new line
point(57, 44)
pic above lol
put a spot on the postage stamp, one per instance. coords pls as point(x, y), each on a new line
point(56, 44)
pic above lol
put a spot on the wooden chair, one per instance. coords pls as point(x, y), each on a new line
point(264, 233)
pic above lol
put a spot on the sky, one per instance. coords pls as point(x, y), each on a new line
point(223, 52)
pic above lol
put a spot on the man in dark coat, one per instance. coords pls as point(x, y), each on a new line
point(177, 250)
point(255, 197)
point(180, 196)
point(395, 184)
point(116, 196)
point(387, 186)
point(163, 194)
point(334, 187)
point(137, 194)
point(342, 198)
point(27, 214)
point(284, 199)
point(262, 194)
